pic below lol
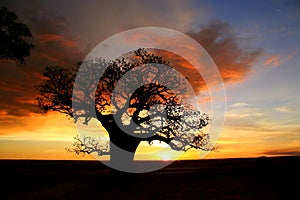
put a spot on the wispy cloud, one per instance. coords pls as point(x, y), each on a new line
point(278, 60)
point(283, 152)
point(239, 104)
point(284, 109)
point(274, 60)
point(244, 114)
point(47, 37)
point(243, 110)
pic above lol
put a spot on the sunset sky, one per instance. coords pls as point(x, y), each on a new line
point(262, 89)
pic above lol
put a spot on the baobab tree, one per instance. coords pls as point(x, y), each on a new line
point(138, 98)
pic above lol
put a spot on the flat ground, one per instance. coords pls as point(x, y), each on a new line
point(251, 178)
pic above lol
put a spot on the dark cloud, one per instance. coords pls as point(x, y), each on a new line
point(40, 18)
point(223, 45)
point(54, 45)
point(282, 152)
point(233, 60)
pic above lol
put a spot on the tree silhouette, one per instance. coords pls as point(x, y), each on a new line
point(135, 100)
point(13, 36)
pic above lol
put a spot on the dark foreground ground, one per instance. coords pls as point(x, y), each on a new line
point(259, 178)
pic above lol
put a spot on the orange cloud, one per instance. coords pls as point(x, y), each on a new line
point(222, 44)
point(57, 38)
point(50, 37)
point(274, 60)
point(69, 43)
point(277, 60)
point(17, 82)
point(233, 60)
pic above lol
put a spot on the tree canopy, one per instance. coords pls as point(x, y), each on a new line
point(13, 37)
point(138, 98)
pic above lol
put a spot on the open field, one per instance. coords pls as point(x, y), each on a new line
point(250, 178)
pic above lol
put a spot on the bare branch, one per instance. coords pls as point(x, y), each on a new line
point(89, 145)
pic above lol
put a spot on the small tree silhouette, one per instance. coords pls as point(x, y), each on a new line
point(13, 36)
point(130, 115)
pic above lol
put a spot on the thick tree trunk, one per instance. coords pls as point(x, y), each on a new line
point(120, 158)
point(122, 150)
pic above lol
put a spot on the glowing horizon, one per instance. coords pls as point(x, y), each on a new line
point(256, 51)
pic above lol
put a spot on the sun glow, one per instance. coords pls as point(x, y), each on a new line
point(165, 157)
